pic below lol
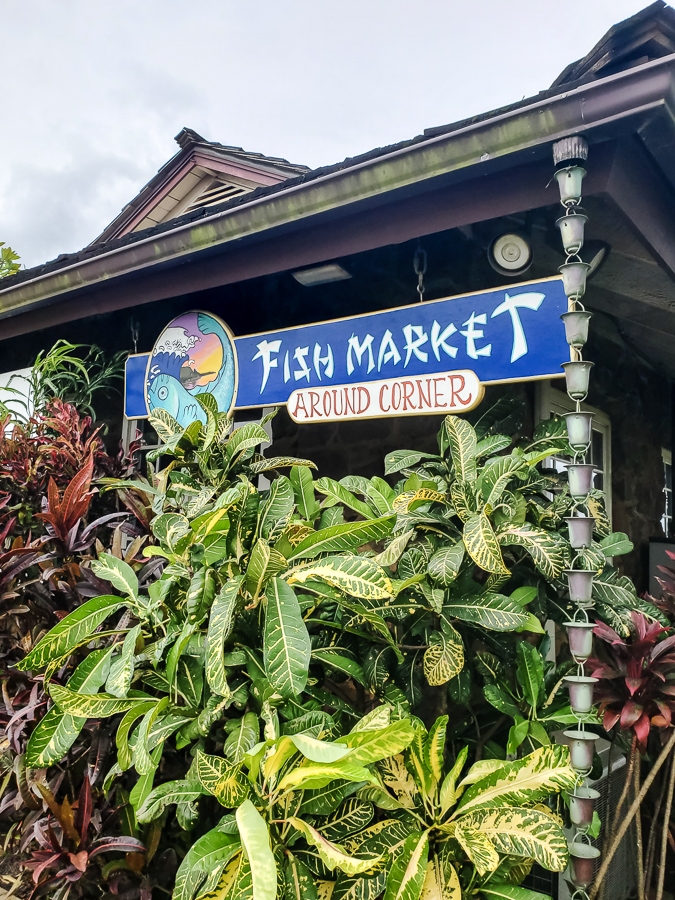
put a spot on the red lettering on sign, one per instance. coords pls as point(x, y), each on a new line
point(326, 403)
point(350, 406)
point(437, 401)
point(420, 394)
point(314, 400)
point(300, 403)
point(455, 392)
point(336, 394)
point(384, 388)
point(408, 391)
point(363, 399)
point(396, 397)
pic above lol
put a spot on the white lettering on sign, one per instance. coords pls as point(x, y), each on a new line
point(444, 392)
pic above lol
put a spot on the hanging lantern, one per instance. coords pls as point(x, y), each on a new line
point(572, 230)
point(578, 429)
point(569, 184)
point(576, 327)
point(580, 476)
point(582, 804)
point(580, 637)
point(582, 747)
point(574, 278)
point(581, 693)
point(580, 584)
point(577, 375)
point(582, 863)
point(580, 529)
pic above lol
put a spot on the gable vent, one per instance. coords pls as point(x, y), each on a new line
point(216, 192)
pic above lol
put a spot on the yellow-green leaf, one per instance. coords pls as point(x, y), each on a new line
point(222, 779)
point(478, 848)
point(548, 551)
point(441, 882)
point(521, 832)
point(255, 838)
point(444, 657)
point(408, 872)
point(357, 576)
point(221, 624)
point(482, 545)
point(463, 443)
point(332, 854)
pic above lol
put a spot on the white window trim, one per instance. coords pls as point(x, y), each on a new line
point(550, 401)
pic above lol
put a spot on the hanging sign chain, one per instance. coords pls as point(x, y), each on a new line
point(420, 266)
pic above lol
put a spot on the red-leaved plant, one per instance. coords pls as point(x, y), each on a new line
point(637, 678)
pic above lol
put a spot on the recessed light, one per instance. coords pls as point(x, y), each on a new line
point(321, 275)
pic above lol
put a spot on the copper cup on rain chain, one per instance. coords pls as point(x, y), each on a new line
point(582, 863)
point(580, 584)
point(580, 531)
point(576, 327)
point(580, 637)
point(574, 278)
point(580, 476)
point(581, 692)
point(582, 804)
point(572, 230)
point(569, 183)
point(577, 376)
point(582, 747)
point(579, 426)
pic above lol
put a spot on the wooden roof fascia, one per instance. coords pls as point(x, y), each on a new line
point(598, 109)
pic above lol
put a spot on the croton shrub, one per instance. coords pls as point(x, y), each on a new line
point(307, 690)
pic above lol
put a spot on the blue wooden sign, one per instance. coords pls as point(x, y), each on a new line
point(419, 352)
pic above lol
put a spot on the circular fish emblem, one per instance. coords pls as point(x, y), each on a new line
point(195, 354)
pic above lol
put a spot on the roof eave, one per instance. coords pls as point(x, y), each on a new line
point(597, 109)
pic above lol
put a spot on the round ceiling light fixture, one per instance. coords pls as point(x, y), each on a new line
point(510, 254)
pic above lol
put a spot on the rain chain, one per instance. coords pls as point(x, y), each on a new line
point(568, 155)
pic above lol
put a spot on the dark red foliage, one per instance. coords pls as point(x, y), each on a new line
point(637, 678)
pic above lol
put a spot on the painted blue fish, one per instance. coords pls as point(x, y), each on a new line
point(166, 392)
point(223, 387)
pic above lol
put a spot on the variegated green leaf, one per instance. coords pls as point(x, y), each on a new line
point(478, 848)
point(530, 673)
point(353, 815)
point(164, 424)
point(408, 872)
point(393, 552)
point(371, 746)
point(92, 706)
point(117, 572)
point(441, 881)
point(143, 762)
point(463, 499)
point(169, 528)
point(245, 438)
point(339, 663)
point(255, 838)
point(493, 611)
point(318, 775)
point(55, 734)
point(264, 562)
point(336, 493)
point(521, 832)
point(463, 447)
point(399, 781)
point(316, 750)
point(359, 887)
point(410, 500)
point(523, 781)
point(166, 794)
point(221, 624)
point(203, 865)
point(548, 550)
point(444, 564)
point(122, 666)
point(276, 508)
point(280, 462)
point(332, 855)
point(242, 738)
point(482, 545)
point(303, 488)
point(497, 474)
point(298, 880)
point(70, 632)
point(355, 575)
point(448, 792)
point(444, 657)
point(124, 754)
point(221, 778)
point(338, 538)
point(287, 647)
point(434, 747)
point(404, 459)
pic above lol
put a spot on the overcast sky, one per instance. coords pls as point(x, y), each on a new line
point(94, 92)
